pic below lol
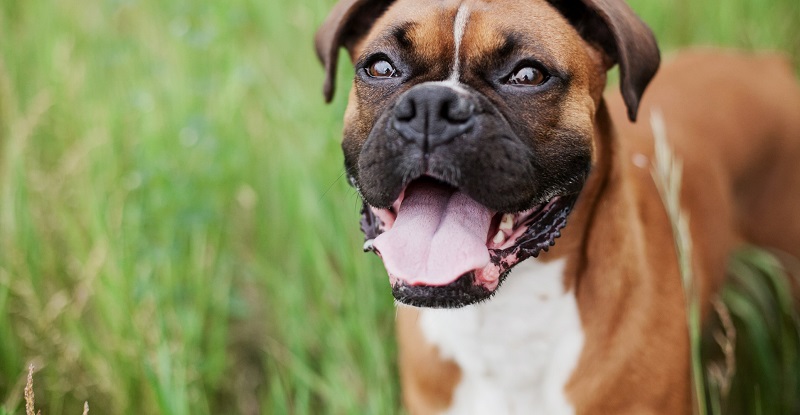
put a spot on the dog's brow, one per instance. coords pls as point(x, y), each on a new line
point(525, 46)
point(501, 53)
point(400, 34)
point(510, 44)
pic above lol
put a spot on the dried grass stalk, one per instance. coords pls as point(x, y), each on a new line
point(667, 173)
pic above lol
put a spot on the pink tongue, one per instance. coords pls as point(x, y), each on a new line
point(438, 236)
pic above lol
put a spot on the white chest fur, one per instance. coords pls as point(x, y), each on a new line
point(516, 351)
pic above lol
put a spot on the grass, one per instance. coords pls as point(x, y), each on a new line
point(175, 235)
point(766, 319)
point(667, 174)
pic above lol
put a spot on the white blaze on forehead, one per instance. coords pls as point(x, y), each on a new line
point(462, 16)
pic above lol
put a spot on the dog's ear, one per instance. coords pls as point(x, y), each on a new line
point(348, 22)
point(623, 38)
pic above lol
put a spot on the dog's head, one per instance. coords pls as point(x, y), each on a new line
point(469, 130)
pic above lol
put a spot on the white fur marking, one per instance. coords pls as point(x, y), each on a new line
point(460, 24)
point(517, 350)
point(454, 85)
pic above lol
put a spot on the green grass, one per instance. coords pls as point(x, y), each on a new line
point(175, 235)
point(767, 326)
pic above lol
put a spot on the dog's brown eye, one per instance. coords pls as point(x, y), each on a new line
point(527, 75)
point(381, 69)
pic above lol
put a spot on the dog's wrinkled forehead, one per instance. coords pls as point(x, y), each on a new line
point(479, 32)
point(566, 34)
point(426, 29)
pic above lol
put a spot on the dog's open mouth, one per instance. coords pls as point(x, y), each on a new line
point(443, 249)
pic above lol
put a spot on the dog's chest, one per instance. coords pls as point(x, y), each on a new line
point(516, 351)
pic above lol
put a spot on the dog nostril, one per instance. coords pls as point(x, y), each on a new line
point(405, 110)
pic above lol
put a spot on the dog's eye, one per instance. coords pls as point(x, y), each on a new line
point(527, 75)
point(381, 69)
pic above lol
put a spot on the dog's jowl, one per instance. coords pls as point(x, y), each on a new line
point(479, 138)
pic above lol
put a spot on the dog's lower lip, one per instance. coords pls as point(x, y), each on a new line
point(461, 292)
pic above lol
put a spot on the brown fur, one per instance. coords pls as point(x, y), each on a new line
point(738, 142)
point(733, 119)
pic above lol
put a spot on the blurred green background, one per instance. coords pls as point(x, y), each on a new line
point(176, 236)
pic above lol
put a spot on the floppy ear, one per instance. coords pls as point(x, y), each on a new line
point(624, 39)
point(348, 22)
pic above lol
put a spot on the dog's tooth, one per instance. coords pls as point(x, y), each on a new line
point(368, 245)
point(507, 223)
point(499, 238)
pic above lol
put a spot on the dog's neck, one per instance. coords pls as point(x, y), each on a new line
point(572, 245)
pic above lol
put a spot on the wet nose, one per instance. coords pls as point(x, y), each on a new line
point(432, 115)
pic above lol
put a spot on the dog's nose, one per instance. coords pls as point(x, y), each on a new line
point(432, 115)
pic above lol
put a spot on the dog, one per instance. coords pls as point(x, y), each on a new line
point(479, 137)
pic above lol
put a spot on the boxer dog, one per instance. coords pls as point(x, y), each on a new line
point(479, 138)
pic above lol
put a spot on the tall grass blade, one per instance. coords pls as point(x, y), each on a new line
point(667, 172)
